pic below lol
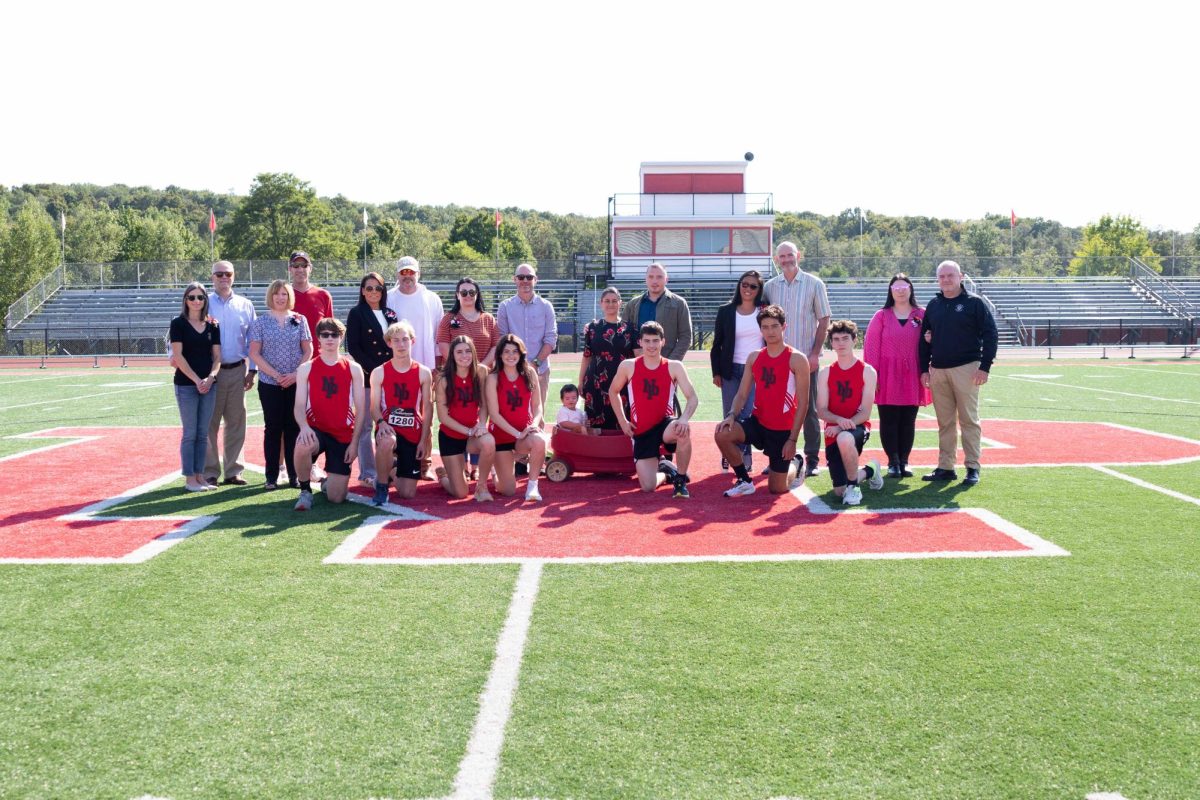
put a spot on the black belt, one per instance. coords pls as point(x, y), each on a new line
point(233, 365)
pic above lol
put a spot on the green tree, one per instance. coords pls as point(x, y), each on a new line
point(30, 250)
point(461, 251)
point(478, 231)
point(157, 236)
point(283, 213)
point(392, 238)
point(94, 235)
point(1108, 244)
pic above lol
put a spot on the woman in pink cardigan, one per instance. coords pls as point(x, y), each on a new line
point(890, 346)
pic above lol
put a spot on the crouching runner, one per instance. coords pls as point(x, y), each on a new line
point(330, 410)
point(778, 375)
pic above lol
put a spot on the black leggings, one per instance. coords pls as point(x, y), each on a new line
point(279, 422)
point(897, 426)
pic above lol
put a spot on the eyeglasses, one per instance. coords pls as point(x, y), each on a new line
point(329, 335)
point(222, 274)
point(196, 297)
point(752, 286)
point(526, 277)
point(372, 288)
point(467, 293)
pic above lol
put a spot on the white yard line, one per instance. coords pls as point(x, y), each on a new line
point(1105, 391)
point(477, 771)
point(80, 397)
point(1147, 485)
point(1192, 374)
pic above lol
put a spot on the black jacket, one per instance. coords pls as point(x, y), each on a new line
point(364, 337)
point(724, 340)
point(963, 331)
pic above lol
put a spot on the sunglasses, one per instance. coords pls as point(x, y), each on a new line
point(467, 293)
point(198, 297)
point(752, 286)
point(404, 273)
point(300, 265)
point(526, 277)
point(329, 335)
point(222, 274)
point(372, 288)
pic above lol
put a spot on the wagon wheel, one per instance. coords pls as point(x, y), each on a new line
point(558, 471)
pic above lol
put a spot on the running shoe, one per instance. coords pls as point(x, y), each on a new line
point(853, 496)
point(876, 479)
point(739, 489)
point(381, 494)
point(305, 501)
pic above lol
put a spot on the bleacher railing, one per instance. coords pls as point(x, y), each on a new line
point(31, 301)
point(1169, 295)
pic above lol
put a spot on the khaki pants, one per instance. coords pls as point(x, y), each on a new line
point(956, 398)
point(231, 407)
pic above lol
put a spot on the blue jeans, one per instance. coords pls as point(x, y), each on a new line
point(195, 412)
point(729, 390)
point(366, 451)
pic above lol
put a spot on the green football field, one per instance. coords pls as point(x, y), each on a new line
point(238, 664)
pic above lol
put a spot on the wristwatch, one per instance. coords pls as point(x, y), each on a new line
point(537, 363)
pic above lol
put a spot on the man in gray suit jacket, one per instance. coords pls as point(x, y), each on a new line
point(669, 310)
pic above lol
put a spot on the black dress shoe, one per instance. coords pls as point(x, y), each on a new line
point(972, 476)
point(905, 472)
point(893, 471)
point(236, 480)
point(940, 474)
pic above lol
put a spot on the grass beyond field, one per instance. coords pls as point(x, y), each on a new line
point(237, 664)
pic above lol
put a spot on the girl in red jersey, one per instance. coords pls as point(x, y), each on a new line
point(402, 409)
point(515, 407)
point(463, 419)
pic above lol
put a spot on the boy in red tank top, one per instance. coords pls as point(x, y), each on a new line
point(651, 381)
point(778, 375)
point(845, 395)
point(330, 409)
point(402, 409)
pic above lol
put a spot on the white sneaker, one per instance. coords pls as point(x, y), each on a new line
point(532, 494)
point(740, 488)
point(876, 481)
point(853, 496)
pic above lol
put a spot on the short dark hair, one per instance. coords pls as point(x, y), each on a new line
point(843, 326)
point(564, 391)
point(652, 328)
point(771, 312)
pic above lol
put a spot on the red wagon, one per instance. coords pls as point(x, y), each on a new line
point(610, 452)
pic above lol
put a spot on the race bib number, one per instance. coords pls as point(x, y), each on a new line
point(400, 418)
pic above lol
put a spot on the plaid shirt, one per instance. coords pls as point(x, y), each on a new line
point(804, 303)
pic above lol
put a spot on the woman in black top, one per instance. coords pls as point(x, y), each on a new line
point(196, 354)
point(735, 336)
point(365, 326)
point(607, 342)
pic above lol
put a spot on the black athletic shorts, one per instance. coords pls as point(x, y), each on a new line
point(335, 453)
point(407, 465)
point(646, 445)
point(833, 456)
point(769, 441)
point(449, 445)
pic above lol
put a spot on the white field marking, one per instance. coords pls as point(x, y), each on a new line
point(251, 413)
point(128, 384)
point(68, 440)
point(151, 797)
point(1164, 371)
point(1106, 391)
point(101, 408)
point(80, 397)
point(1038, 376)
point(990, 400)
point(169, 405)
point(59, 408)
point(1102, 377)
point(38, 379)
point(477, 770)
point(191, 526)
point(348, 551)
point(1105, 796)
point(1147, 485)
point(1047, 399)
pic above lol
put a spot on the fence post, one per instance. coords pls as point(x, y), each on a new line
point(139, 274)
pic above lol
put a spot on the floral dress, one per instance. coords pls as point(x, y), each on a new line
point(605, 346)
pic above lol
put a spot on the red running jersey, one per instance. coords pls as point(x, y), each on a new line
point(845, 393)
point(462, 405)
point(650, 392)
point(330, 399)
point(401, 395)
point(514, 406)
point(774, 390)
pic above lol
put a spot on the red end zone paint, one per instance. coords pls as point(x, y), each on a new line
point(1017, 443)
point(608, 519)
point(57, 513)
